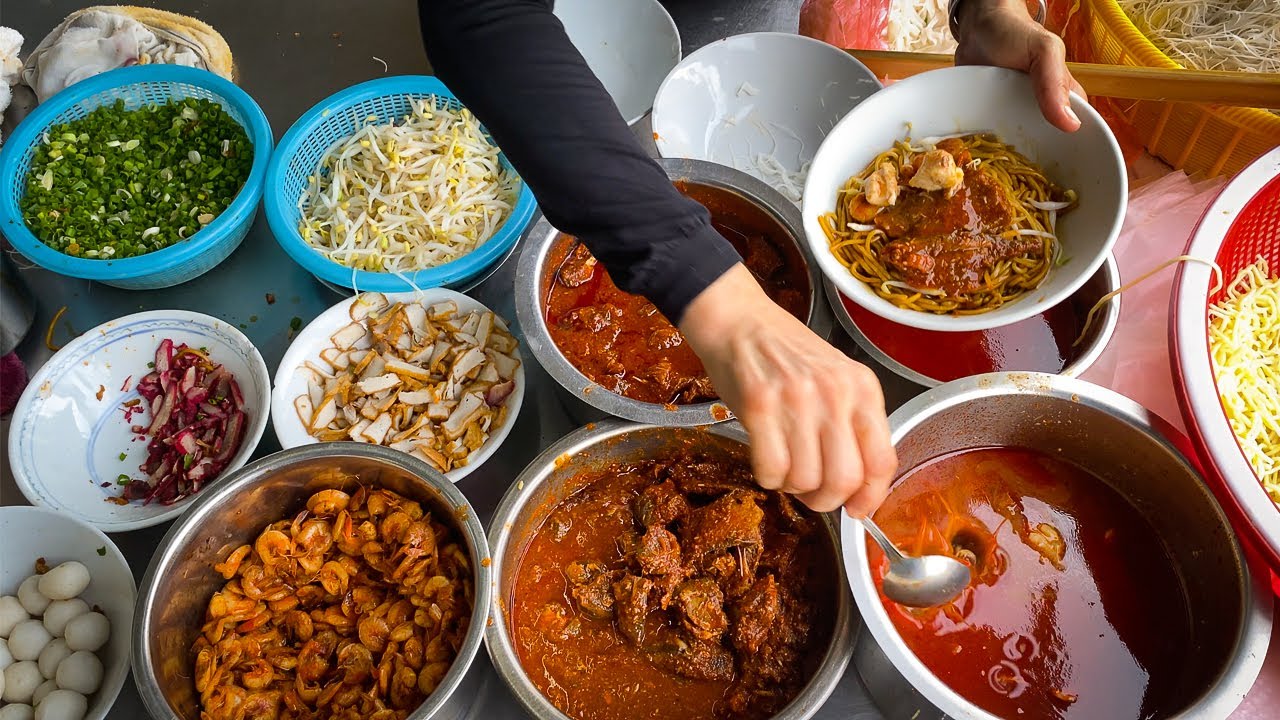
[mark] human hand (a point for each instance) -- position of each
(816, 418)
(1003, 33)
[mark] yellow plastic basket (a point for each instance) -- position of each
(1205, 139)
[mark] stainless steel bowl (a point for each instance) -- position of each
(1124, 445)
(1106, 280)
(530, 301)
(231, 512)
(535, 495)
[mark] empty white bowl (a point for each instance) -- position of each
(69, 428)
(291, 384)
(32, 532)
(766, 93)
(630, 45)
(978, 99)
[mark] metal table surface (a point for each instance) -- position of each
(289, 55)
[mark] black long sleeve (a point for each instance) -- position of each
(511, 63)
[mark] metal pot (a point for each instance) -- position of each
(1124, 445)
(537, 492)
(180, 579)
(530, 298)
(1106, 280)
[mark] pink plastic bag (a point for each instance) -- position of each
(1157, 226)
(848, 24)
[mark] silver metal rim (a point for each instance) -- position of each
(1109, 320)
(1256, 620)
(155, 702)
(538, 337)
(498, 640)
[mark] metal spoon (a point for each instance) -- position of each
(926, 581)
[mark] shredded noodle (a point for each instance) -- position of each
(919, 26)
(1244, 344)
(1241, 35)
(404, 196)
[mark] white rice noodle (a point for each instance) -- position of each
(1240, 35)
(919, 26)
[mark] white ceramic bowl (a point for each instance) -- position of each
(630, 45)
(69, 429)
(764, 93)
(978, 99)
(291, 384)
(57, 538)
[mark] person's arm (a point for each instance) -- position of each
(512, 64)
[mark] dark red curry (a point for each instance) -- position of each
(622, 343)
(1038, 344)
(1075, 610)
(674, 589)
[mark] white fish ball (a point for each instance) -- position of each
(81, 672)
(65, 581)
(11, 613)
(88, 631)
(45, 688)
(61, 612)
(33, 601)
(6, 657)
(52, 656)
(27, 639)
(17, 711)
(20, 681)
(62, 705)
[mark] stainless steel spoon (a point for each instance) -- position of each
(926, 581)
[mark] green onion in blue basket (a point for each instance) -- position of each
(119, 183)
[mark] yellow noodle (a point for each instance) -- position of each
(859, 250)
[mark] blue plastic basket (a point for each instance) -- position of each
(337, 118)
(138, 86)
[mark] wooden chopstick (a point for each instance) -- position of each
(1197, 86)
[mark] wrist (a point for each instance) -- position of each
(961, 13)
(728, 306)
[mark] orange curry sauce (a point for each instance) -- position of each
(1075, 611)
(622, 343)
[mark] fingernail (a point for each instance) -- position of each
(1071, 113)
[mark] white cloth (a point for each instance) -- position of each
(10, 66)
(98, 40)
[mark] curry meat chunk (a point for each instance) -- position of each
(731, 520)
(660, 505)
(590, 585)
(658, 552)
(631, 600)
(701, 605)
(578, 268)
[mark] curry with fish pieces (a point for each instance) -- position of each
(623, 343)
(674, 588)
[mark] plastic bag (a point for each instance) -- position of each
(98, 39)
(857, 24)
(1159, 222)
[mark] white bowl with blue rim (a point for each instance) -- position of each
(69, 441)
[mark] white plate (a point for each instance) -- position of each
(65, 441)
(978, 99)
(629, 44)
(58, 538)
(291, 384)
(764, 93)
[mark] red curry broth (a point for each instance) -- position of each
(1102, 636)
(622, 343)
(584, 662)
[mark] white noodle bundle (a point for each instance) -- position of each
(919, 26)
(1240, 35)
(410, 195)
(1244, 344)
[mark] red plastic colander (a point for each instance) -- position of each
(1241, 225)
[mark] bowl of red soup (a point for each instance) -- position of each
(641, 573)
(615, 351)
(1106, 581)
(1062, 340)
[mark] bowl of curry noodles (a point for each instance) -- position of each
(640, 572)
(947, 202)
